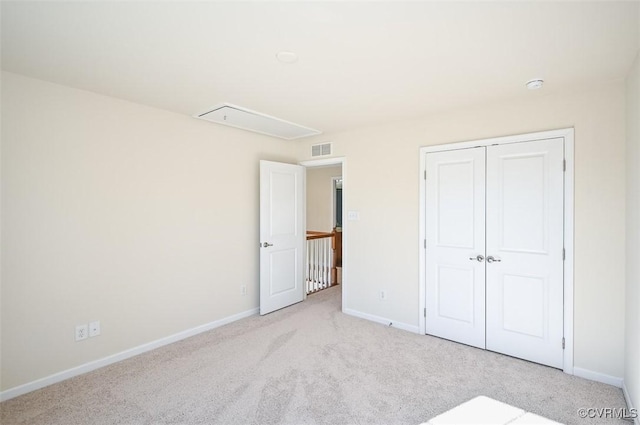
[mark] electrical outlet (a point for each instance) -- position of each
(82, 332)
(94, 328)
(383, 295)
(243, 290)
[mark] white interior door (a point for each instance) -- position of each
(455, 245)
(282, 235)
(525, 186)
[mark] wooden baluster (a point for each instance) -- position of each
(321, 263)
(324, 263)
(327, 254)
(330, 265)
(310, 266)
(307, 270)
(315, 265)
(318, 254)
(334, 271)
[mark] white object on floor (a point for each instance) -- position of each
(485, 410)
(532, 419)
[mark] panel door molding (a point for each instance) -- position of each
(455, 238)
(527, 223)
(525, 237)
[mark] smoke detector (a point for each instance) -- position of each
(287, 57)
(535, 84)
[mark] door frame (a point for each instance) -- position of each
(334, 202)
(568, 135)
(339, 160)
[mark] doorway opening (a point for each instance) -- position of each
(337, 201)
(325, 198)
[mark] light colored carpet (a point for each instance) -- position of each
(307, 364)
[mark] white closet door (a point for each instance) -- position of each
(455, 229)
(525, 236)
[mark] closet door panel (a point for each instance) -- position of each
(524, 267)
(455, 228)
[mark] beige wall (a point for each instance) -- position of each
(320, 197)
(632, 349)
(140, 218)
(383, 253)
(147, 220)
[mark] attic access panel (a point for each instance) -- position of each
(246, 119)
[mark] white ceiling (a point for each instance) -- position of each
(360, 63)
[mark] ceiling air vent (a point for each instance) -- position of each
(247, 119)
(321, 149)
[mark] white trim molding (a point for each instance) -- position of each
(630, 405)
(598, 377)
(568, 135)
(382, 320)
(123, 355)
(335, 160)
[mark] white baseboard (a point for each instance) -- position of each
(598, 377)
(630, 405)
(114, 358)
(382, 320)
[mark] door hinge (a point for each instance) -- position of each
(563, 343)
(564, 254)
(425, 244)
(425, 174)
(564, 165)
(424, 312)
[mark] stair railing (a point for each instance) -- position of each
(320, 266)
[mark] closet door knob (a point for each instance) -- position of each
(491, 259)
(478, 258)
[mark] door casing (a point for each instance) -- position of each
(568, 135)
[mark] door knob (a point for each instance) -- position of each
(478, 258)
(492, 259)
(266, 245)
